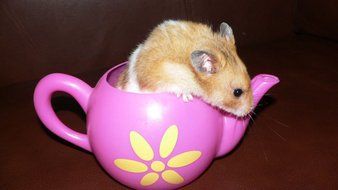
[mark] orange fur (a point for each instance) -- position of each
(164, 64)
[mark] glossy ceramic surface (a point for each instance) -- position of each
(145, 141)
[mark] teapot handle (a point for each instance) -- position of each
(42, 102)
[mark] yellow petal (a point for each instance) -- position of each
(130, 165)
(168, 142)
(172, 177)
(184, 159)
(149, 179)
(141, 147)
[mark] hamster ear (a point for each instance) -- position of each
(226, 31)
(204, 62)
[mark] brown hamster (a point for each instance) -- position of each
(188, 58)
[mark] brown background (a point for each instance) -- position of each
(318, 18)
(40, 37)
(293, 143)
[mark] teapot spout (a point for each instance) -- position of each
(233, 127)
(260, 84)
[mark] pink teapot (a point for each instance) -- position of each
(145, 141)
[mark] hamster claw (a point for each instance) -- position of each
(187, 97)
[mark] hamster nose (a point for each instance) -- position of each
(238, 92)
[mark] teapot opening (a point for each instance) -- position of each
(112, 77)
(114, 74)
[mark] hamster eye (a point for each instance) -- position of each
(238, 92)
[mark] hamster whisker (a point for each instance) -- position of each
(279, 122)
(274, 131)
(251, 118)
(257, 138)
(254, 112)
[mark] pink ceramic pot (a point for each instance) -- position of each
(145, 141)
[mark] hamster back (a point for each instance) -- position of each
(188, 58)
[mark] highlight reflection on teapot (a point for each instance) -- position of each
(146, 141)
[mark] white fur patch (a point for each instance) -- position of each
(171, 22)
(183, 26)
(180, 24)
(132, 85)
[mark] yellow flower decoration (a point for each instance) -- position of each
(145, 152)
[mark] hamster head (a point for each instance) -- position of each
(224, 79)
